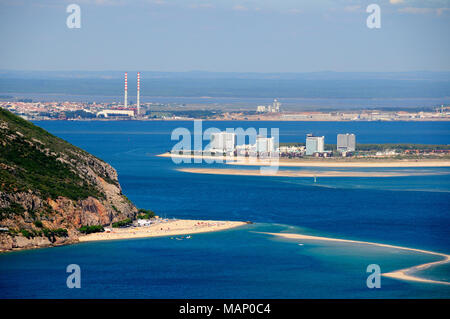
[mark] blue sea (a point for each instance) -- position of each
(410, 211)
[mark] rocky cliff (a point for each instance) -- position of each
(50, 188)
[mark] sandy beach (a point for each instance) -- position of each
(303, 173)
(330, 162)
(175, 227)
(351, 164)
(402, 274)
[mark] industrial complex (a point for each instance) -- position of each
(125, 110)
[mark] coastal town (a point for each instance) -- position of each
(29, 109)
(37, 110)
(227, 144)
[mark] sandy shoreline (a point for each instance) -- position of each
(176, 227)
(285, 173)
(245, 161)
(402, 274)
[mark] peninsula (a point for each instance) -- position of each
(53, 193)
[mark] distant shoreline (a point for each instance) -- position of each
(176, 227)
(234, 120)
(329, 162)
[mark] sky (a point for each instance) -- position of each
(226, 36)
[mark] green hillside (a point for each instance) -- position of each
(31, 160)
(50, 189)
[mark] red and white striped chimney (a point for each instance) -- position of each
(138, 104)
(125, 103)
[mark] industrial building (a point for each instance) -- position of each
(275, 107)
(261, 109)
(116, 113)
(138, 102)
(125, 111)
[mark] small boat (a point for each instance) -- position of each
(188, 237)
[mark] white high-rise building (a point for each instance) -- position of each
(265, 145)
(223, 141)
(346, 142)
(314, 144)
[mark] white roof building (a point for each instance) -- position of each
(144, 222)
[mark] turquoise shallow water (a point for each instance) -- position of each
(243, 263)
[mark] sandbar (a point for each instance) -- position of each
(402, 274)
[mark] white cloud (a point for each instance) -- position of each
(396, 1)
(415, 10)
(352, 8)
(202, 5)
(239, 7)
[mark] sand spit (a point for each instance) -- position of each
(175, 227)
(402, 274)
(302, 173)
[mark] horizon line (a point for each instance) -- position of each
(225, 72)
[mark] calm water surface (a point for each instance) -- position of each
(243, 263)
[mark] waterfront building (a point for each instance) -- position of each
(314, 144)
(288, 151)
(265, 145)
(346, 142)
(144, 222)
(223, 141)
(244, 149)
